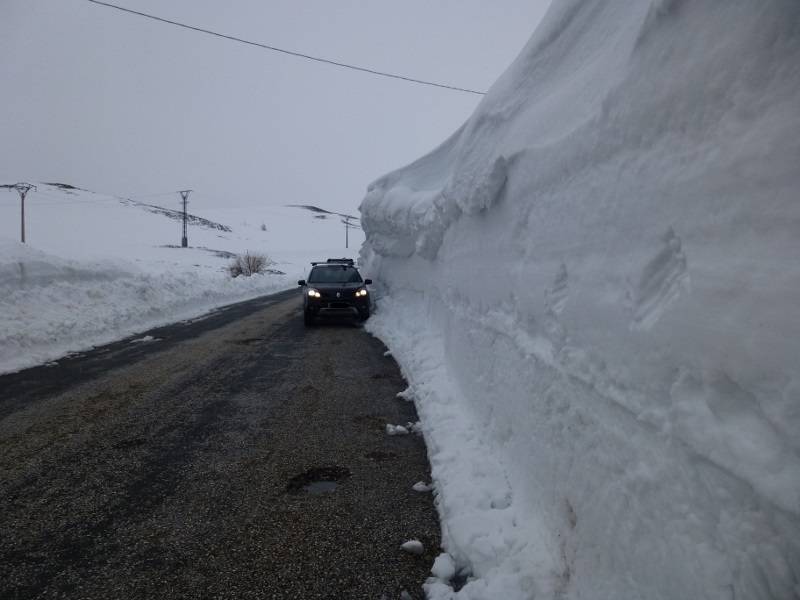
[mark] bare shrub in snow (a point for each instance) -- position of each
(248, 264)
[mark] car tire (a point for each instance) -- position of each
(363, 314)
(308, 319)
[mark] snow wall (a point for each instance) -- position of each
(593, 288)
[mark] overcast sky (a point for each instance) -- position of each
(119, 104)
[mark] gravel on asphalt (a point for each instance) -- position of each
(246, 460)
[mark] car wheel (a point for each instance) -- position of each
(308, 319)
(363, 315)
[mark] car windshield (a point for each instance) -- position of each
(337, 274)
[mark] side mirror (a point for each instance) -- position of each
(301, 282)
(368, 282)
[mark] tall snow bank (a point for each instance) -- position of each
(50, 306)
(594, 290)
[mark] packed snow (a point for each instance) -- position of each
(421, 487)
(145, 340)
(443, 567)
(413, 547)
(396, 429)
(98, 268)
(593, 289)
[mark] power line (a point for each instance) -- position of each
(149, 195)
(289, 52)
(64, 194)
(35, 202)
(109, 198)
(70, 190)
(62, 200)
(65, 199)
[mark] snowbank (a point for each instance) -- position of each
(593, 288)
(51, 306)
(97, 267)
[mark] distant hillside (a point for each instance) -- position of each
(72, 222)
(178, 215)
(321, 212)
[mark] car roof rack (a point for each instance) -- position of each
(334, 261)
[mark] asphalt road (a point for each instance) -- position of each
(238, 456)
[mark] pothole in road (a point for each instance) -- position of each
(320, 480)
(320, 487)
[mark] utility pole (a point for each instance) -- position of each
(347, 226)
(22, 190)
(184, 239)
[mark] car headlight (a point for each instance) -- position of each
(361, 292)
(314, 293)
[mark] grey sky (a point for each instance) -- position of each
(124, 105)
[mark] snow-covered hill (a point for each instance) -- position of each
(97, 268)
(594, 289)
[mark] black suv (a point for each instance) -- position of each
(335, 288)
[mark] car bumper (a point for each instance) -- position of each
(337, 308)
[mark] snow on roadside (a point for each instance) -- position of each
(98, 267)
(475, 496)
(592, 288)
(51, 306)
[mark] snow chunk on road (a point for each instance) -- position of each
(413, 547)
(396, 430)
(407, 394)
(421, 486)
(444, 567)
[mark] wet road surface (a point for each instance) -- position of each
(239, 456)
